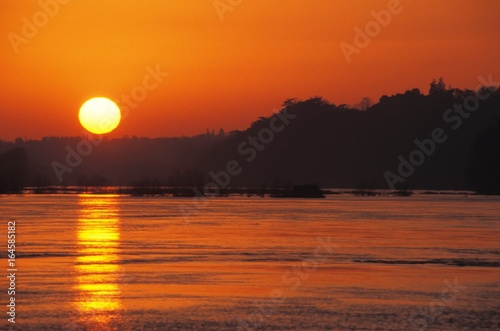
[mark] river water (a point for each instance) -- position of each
(108, 262)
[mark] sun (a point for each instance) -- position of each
(99, 115)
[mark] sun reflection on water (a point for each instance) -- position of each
(97, 267)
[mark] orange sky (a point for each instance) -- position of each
(227, 73)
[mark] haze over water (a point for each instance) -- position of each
(97, 262)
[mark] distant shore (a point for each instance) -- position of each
(257, 192)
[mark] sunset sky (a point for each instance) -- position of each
(226, 73)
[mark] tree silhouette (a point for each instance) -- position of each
(13, 166)
(484, 172)
(364, 104)
(437, 87)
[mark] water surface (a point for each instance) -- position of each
(97, 262)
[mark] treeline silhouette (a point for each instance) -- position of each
(13, 170)
(334, 146)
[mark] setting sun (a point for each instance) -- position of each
(99, 115)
